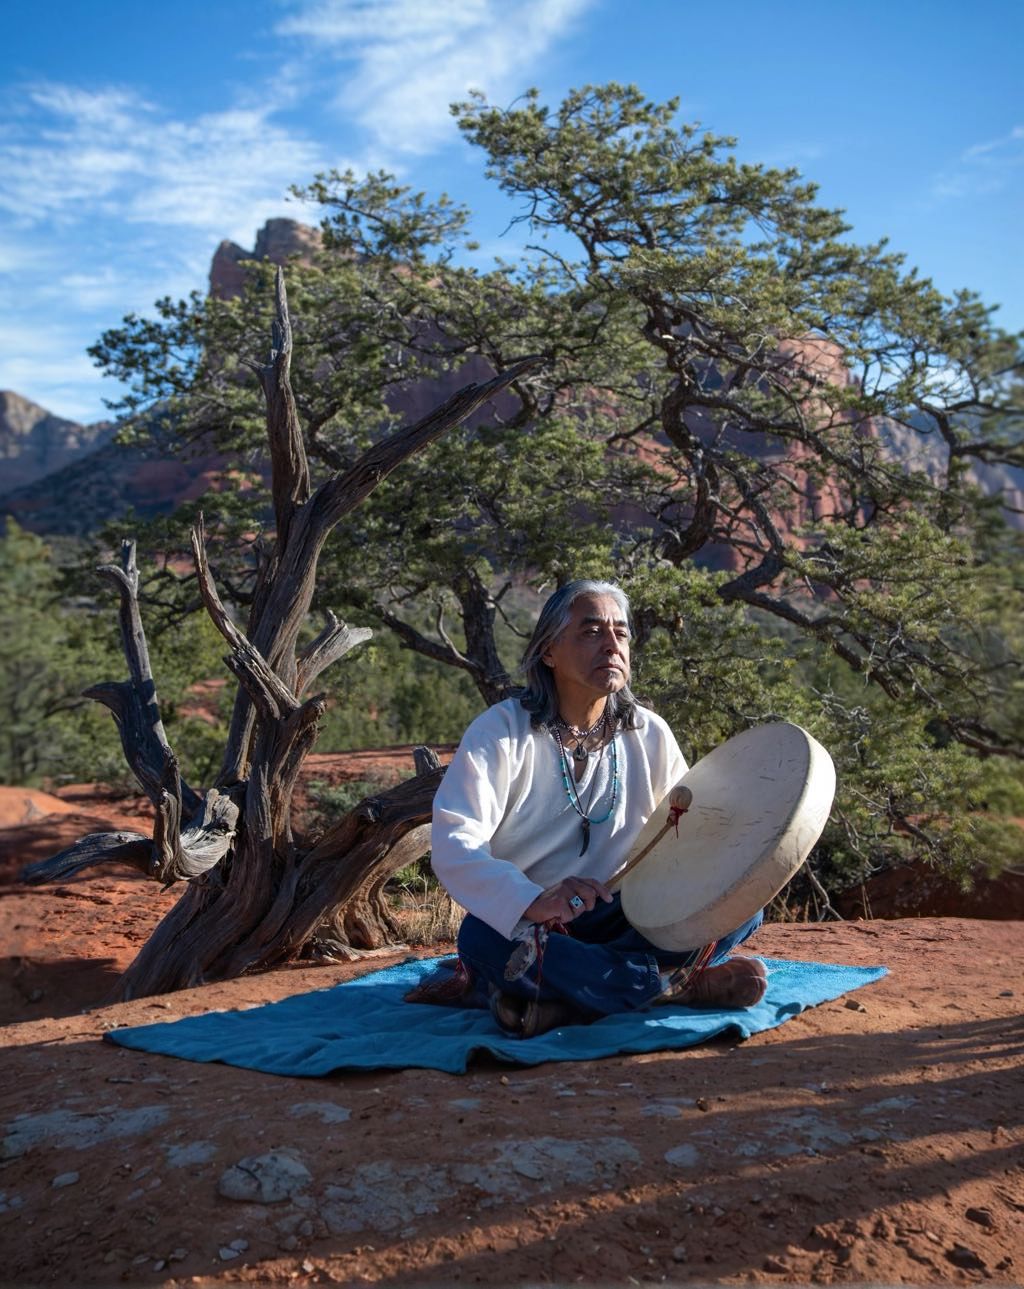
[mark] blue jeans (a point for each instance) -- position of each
(601, 967)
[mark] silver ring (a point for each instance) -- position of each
(575, 902)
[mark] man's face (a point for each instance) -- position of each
(591, 656)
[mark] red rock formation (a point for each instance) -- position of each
(34, 442)
(277, 241)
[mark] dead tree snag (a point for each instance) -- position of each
(253, 897)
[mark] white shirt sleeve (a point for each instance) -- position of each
(469, 806)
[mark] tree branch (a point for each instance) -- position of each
(289, 467)
(129, 848)
(134, 702)
(333, 642)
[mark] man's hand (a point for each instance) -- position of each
(571, 897)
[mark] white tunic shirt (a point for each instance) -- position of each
(504, 828)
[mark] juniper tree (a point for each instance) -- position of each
(254, 893)
(812, 412)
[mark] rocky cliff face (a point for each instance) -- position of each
(277, 241)
(104, 485)
(34, 443)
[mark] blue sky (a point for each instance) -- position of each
(135, 136)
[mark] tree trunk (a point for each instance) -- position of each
(253, 898)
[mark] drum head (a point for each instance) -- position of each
(760, 802)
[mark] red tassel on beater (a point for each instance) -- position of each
(675, 813)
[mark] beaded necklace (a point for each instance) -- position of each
(579, 752)
(574, 796)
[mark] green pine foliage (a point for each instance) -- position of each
(54, 644)
(385, 695)
(45, 728)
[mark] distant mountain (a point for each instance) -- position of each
(34, 443)
(104, 485)
(917, 447)
(278, 240)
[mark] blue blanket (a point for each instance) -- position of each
(364, 1025)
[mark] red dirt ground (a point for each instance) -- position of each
(873, 1140)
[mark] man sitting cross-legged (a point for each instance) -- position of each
(539, 809)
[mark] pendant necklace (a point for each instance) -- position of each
(574, 797)
(580, 753)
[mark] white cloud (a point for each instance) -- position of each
(110, 153)
(107, 109)
(18, 255)
(65, 146)
(100, 289)
(983, 168)
(111, 203)
(1016, 135)
(43, 362)
(409, 60)
(371, 22)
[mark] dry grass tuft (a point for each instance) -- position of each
(429, 917)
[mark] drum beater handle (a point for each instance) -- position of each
(674, 814)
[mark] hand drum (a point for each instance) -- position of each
(760, 801)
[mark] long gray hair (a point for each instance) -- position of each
(539, 696)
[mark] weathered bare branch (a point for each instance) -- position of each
(208, 590)
(129, 848)
(172, 854)
(425, 760)
(341, 862)
(206, 840)
(133, 636)
(290, 469)
(289, 598)
(294, 740)
(167, 825)
(134, 702)
(172, 957)
(271, 697)
(356, 926)
(825, 909)
(413, 639)
(478, 614)
(333, 642)
(286, 582)
(344, 492)
(251, 898)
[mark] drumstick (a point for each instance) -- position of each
(683, 799)
(616, 880)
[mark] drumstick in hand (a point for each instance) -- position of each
(679, 801)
